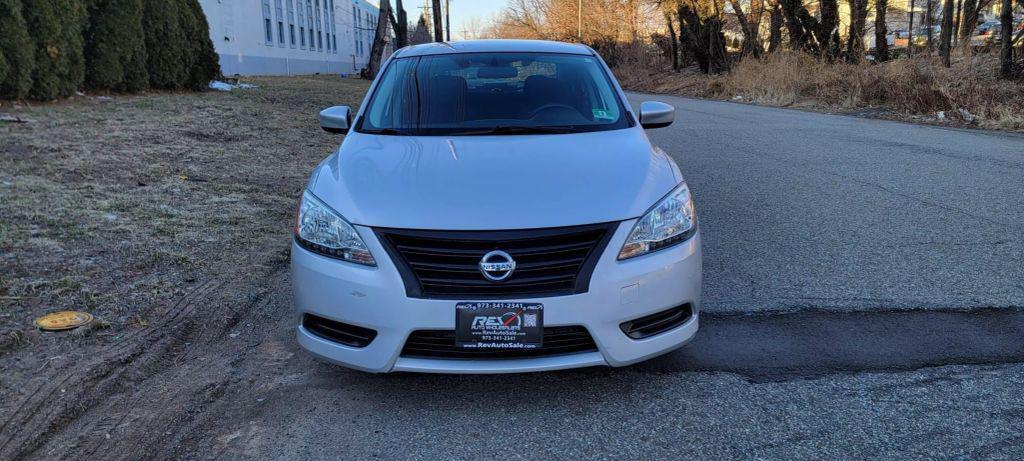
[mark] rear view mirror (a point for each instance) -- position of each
(336, 119)
(497, 72)
(654, 114)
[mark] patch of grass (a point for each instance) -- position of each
(94, 214)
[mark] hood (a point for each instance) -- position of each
(494, 182)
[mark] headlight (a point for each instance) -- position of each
(667, 223)
(321, 230)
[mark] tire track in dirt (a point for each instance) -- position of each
(143, 410)
(32, 422)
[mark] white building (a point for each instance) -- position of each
(291, 37)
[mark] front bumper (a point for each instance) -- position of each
(374, 297)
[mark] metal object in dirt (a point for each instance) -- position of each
(63, 320)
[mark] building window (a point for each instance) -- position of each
(268, 31)
(291, 22)
(302, 24)
(335, 38)
(280, 22)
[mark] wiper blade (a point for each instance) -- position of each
(512, 129)
(387, 131)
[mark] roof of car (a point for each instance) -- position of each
(493, 46)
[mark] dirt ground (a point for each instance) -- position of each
(167, 216)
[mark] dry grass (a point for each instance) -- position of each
(118, 205)
(968, 92)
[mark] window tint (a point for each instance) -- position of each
(472, 93)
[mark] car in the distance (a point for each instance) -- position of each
(496, 206)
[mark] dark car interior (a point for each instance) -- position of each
(502, 93)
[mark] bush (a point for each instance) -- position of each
(50, 48)
(204, 64)
(115, 55)
(56, 30)
(16, 57)
(166, 50)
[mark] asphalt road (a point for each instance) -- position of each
(805, 210)
(864, 293)
(864, 300)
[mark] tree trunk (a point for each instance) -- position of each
(910, 31)
(750, 44)
(672, 40)
(1006, 35)
(800, 38)
(881, 31)
(380, 40)
(447, 21)
(399, 24)
(704, 40)
(946, 34)
(828, 34)
(928, 21)
(968, 19)
(775, 22)
(956, 21)
(436, 10)
(855, 41)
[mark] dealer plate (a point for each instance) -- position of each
(499, 325)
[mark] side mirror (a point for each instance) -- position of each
(655, 114)
(336, 119)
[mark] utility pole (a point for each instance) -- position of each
(579, 21)
(447, 21)
(436, 13)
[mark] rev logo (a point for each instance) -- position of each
(508, 319)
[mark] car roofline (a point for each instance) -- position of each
(494, 46)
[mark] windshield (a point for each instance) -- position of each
(492, 93)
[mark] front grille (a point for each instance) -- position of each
(445, 264)
(441, 344)
(343, 333)
(658, 322)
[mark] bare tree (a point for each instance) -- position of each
(380, 40)
(956, 21)
(946, 33)
(399, 24)
(702, 26)
(775, 22)
(749, 30)
(436, 11)
(1006, 36)
(828, 34)
(809, 33)
(672, 40)
(881, 31)
(855, 39)
(421, 33)
(968, 19)
(929, 21)
(910, 30)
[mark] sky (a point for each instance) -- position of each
(462, 11)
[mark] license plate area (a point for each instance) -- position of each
(499, 325)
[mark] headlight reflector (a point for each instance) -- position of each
(667, 223)
(321, 230)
